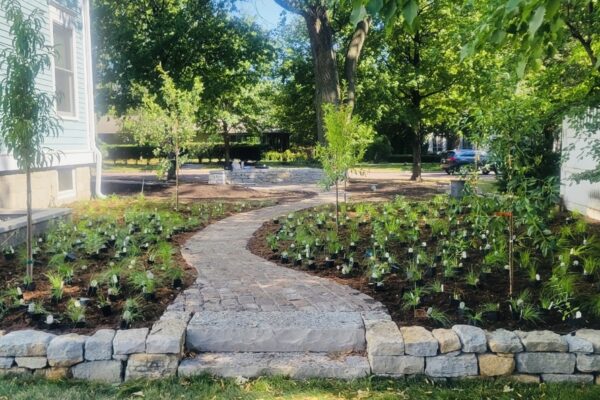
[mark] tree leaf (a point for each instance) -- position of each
(410, 11)
(374, 6)
(511, 6)
(537, 20)
(552, 7)
(358, 13)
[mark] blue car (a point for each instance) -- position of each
(454, 160)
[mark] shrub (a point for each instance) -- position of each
(379, 150)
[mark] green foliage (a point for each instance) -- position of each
(168, 123)
(379, 150)
(347, 140)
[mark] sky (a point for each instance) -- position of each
(265, 12)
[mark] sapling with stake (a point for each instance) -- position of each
(27, 112)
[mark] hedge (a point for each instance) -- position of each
(197, 150)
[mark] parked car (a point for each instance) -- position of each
(454, 160)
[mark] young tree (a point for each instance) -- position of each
(167, 122)
(347, 140)
(27, 113)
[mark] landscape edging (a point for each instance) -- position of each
(529, 357)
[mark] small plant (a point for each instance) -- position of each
(472, 278)
(131, 312)
(75, 312)
(412, 299)
(439, 317)
(57, 286)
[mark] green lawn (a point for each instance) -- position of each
(279, 388)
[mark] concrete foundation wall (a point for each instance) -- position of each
(44, 187)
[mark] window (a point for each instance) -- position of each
(66, 182)
(64, 71)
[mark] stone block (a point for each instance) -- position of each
(418, 341)
(503, 341)
(546, 363)
(568, 378)
(396, 365)
(99, 346)
(225, 331)
(130, 341)
(54, 373)
(578, 345)
(167, 337)
(592, 336)
(384, 339)
(525, 378)
(66, 350)
(151, 366)
(493, 365)
(447, 339)
(98, 371)
(542, 341)
(6, 362)
(184, 316)
(588, 363)
(472, 338)
(294, 365)
(15, 371)
(27, 343)
(451, 367)
(31, 362)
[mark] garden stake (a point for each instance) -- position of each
(509, 215)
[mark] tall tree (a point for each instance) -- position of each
(27, 113)
(424, 72)
(325, 23)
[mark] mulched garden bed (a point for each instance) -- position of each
(137, 269)
(484, 302)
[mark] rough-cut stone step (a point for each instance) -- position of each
(226, 331)
(294, 365)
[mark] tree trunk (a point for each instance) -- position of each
(352, 56)
(29, 267)
(327, 87)
(226, 144)
(417, 148)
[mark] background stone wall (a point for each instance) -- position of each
(270, 176)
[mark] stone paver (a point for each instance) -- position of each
(231, 278)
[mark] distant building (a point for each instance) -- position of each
(67, 28)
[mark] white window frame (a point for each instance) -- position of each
(70, 193)
(62, 19)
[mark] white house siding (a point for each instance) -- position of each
(584, 196)
(75, 143)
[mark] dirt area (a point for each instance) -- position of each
(367, 190)
(491, 289)
(198, 191)
(17, 316)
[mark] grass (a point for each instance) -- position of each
(280, 388)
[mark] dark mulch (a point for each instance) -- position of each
(491, 289)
